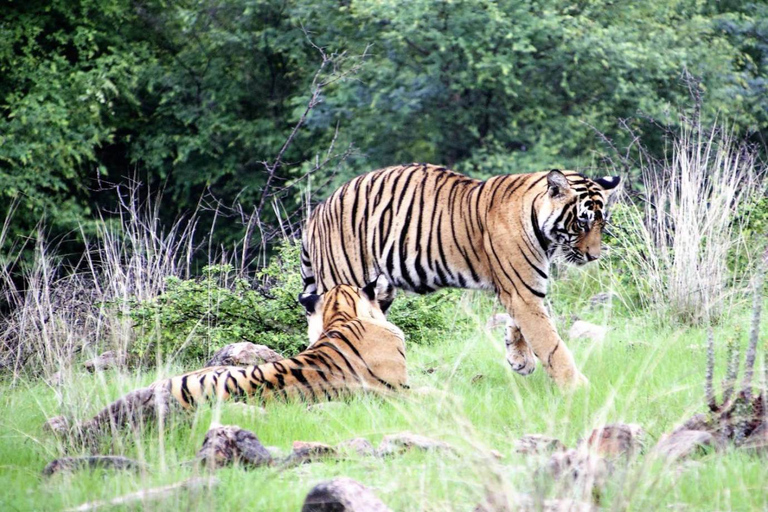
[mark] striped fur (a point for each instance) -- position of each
(357, 350)
(426, 227)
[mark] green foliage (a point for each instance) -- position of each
(425, 319)
(195, 96)
(195, 317)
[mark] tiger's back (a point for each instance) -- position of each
(399, 222)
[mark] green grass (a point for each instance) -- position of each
(644, 372)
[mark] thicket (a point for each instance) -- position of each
(193, 97)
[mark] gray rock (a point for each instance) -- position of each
(225, 445)
(602, 299)
(359, 445)
(682, 444)
(582, 469)
(71, 464)
(615, 439)
(535, 444)
(405, 441)
(308, 451)
(342, 495)
(107, 360)
(58, 425)
(587, 330)
(243, 354)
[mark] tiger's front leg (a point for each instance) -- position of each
(540, 333)
(519, 354)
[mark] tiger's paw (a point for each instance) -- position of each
(522, 363)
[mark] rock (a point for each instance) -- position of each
(697, 422)
(243, 354)
(582, 329)
(58, 425)
(248, 409)
(757, 442)
(405, 441)
(326, 406)
(359, 445)
(225, 445)
(71, 464)
(56, 380)
(107, 360)
(615, 439)
(534, 444)
(304, 451)
(682, 444)
(342, 495)
(602, 299)
(583, 468)
(497, 320)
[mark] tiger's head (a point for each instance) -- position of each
(344, 303)
(573, 213)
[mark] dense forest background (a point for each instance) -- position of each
(198, 98)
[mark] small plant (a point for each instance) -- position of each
(195, 317)
(424, 318)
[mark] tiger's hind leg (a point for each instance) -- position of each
(519, 353)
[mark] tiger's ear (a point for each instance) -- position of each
(381, 291)
(557, 183)
(309, 301)
(610, 184)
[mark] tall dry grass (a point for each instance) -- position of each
(694, 206)
(59, 311)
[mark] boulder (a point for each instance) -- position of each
(58, 425)
(587, 330)
(602, 299)
(243, 354)
(359, 445)
(71, 464)
(582, 469)
(405, 441)
(535, 444)
(682, 444)
(615, 439)
(308, 451)
(107, 360)
(225, 445)
(342, 495)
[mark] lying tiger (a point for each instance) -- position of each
(355, 349)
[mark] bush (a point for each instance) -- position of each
(424, 318)
(195, 317)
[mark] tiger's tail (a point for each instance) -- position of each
(307, 272)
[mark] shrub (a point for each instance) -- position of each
(424, 318)
(195, 317)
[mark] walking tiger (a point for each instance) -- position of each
(425, 227)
